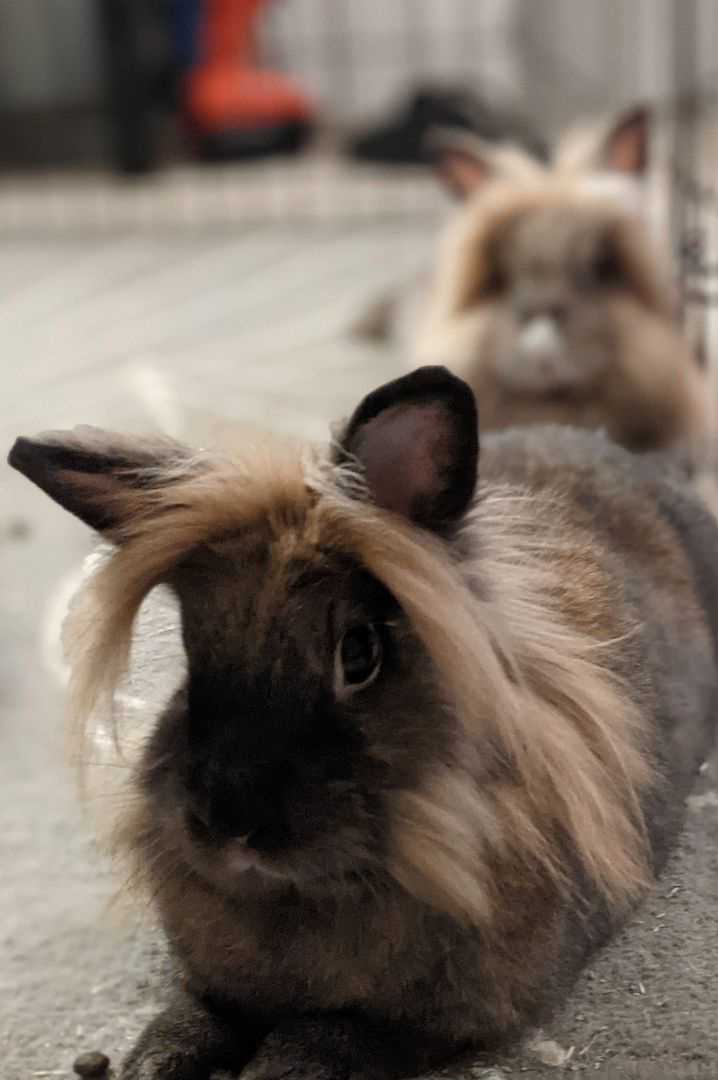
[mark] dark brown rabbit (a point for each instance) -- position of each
(434, 738)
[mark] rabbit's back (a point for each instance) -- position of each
(657, 542)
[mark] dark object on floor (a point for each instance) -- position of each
(137, 73)
(260, 140)
(18, 529)
(91, 1064)
(402, 139)
(234, 108)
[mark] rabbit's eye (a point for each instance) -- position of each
(606, 269)
(358, 658)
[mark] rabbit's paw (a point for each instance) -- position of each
(163, 1063)
(326, 1048)
(187, 1042)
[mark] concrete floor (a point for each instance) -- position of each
(149, 329)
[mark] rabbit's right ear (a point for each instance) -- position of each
(101, 478)
(626, 146)
(416, 440)
(621, 145)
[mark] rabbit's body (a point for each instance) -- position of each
(403, 793)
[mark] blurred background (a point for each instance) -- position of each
(143, 143)
(197, 197)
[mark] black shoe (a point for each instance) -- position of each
(253, 143)
(402, 139)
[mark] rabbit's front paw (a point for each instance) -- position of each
(327, 1048)
(302, 1066)
(162, 1063)
(187, 1042)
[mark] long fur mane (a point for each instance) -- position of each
(550, 764)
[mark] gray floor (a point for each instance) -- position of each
(172, 330)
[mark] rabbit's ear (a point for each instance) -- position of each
(465, 163)
(626, 146)
(417, 442)
(461, 172)
(462, 161)
(97, 476)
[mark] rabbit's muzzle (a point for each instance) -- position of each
(240, 806)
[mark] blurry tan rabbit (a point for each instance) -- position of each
(433, 739)
(551, 298)
(613, 155)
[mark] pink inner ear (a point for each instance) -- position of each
(462, 172)
(402, 454)
(626, 149)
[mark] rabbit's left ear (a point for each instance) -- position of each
(465, 163)
(463, 169)
(626, 146)
(100, 477)
(417, 442)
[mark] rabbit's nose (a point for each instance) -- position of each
(246, 810)
(214, 813)
(540, 339)
(206, 818)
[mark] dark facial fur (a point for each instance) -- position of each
(429, 748)
(273, 766)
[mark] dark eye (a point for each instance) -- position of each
(358, 658)
(606, 269)
(494, 280)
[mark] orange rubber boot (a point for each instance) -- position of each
(236, 109)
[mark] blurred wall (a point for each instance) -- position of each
(352, 54)
(358, 55)
(579, 54)
(48, 55)
(554, 57)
